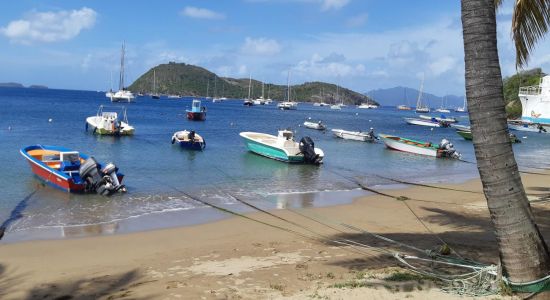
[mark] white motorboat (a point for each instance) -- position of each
(283, 147)
(287, 105)
(122, 95)
(444, 149)
(443, 110)
(354, 135)
(336, 106)
(428, 123)
(439, 119)
(367, 106)
(518, 125)
(108, 123)
(315, 125)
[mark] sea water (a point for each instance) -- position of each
(163, 179)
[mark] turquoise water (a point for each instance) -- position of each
(159, 173)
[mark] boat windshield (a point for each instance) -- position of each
(196, 104)
(109, 115)
(70, 157)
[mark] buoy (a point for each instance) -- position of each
(370, 120)
(50, 120)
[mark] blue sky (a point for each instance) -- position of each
(360, 44)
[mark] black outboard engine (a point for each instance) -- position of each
(307, 147)
(102, 181)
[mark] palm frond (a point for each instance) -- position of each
(498, 3)
(530, 23)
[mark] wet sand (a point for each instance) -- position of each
(236, 258)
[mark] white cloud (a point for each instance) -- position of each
(358, 20)
(49, 26)
(333, 4)
(260, 46)
(326, 67)
(201, 13)
(442, 65)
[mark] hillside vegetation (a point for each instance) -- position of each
(189, 80)
(511, 89)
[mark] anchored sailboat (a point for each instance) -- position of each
(122, 95)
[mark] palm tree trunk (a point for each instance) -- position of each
(523, 252)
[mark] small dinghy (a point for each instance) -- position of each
(73, 171)
(189, 140)
(315, 125)
(444, 149)
(355, 135)
(428, 123)
(283, 147)
(108, 123)
(441, 118)
(197, 112)
(467, 135)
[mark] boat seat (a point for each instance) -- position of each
(69, 166)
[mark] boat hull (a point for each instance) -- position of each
(91, 124)
(196, 116)
(421, 122)
(401, 145)
(181, 138)
(352, 135)
(267, 145)
(313, 125)
(54, 177)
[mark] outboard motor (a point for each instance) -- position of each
(102, 181)
(448, 149)
(307, 147)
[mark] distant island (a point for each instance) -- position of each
(189, 80)
(19, 85)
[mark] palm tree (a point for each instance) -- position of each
(523, 251)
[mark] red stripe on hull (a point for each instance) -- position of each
(196, 116)
(52, 178)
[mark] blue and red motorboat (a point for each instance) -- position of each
(73, 171)
(197, 112)
(189, 140)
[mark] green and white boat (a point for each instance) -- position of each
(108, 123)
(467, 135)
(283, 147)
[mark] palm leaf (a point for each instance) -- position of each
(530, 23)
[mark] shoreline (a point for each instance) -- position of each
(183, 217)
(237, 258)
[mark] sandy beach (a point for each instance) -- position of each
(237, 258)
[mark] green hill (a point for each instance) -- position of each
(511, 89)
(183, 79)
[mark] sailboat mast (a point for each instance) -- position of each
(121, 78)
(249, 85)
(263, 90)
(418, 102)
(288, 86)
(207, 87)
(154, 82)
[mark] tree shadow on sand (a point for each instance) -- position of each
(470, 235)
(109, 286)
(8, 281)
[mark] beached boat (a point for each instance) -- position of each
(315, 125)
(442, 118)
(283, 147)
(72, 171)
(355, 135)
(189, 140)
(467, 135)
(428, 123)
(197, 112)
(108, 123)
(122, 95)
(444, 149)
